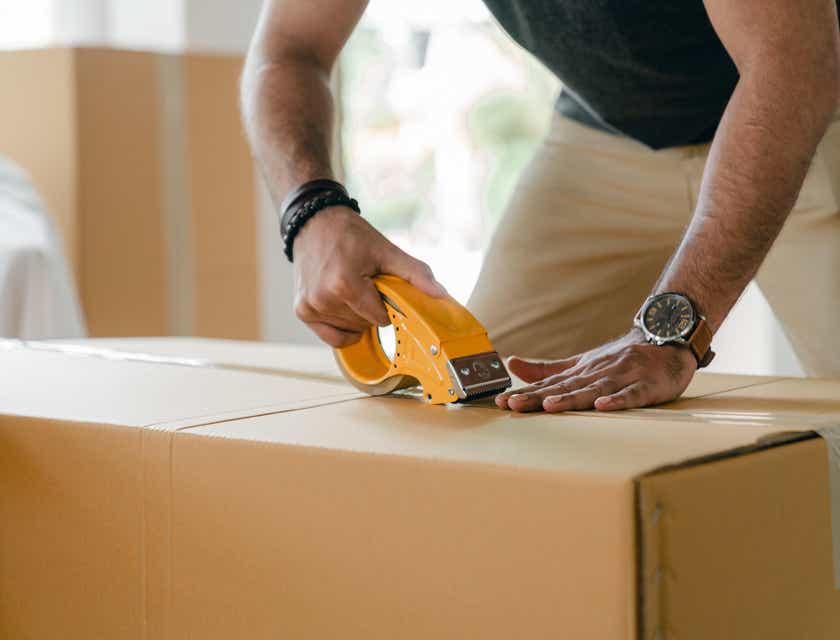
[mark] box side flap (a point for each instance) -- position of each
(740, 548)
(398, 548)
(71, 535)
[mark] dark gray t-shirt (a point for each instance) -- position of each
(653, 70)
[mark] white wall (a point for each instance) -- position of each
(26, 24)
(752, 341)
(159, 25)
(148, 24)
(79, 21)
(220, 25)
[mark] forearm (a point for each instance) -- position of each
(754, 171)
(287, 109)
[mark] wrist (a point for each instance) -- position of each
(328, 219)
(672, 319)
(297, 196)
(301, 213)
(636, 335)
(708, 305)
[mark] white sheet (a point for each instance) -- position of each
(37, 296)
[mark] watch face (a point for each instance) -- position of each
(668, 316)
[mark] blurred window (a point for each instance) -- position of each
(441, 111)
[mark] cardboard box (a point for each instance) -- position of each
(202, 489)
(142, 160)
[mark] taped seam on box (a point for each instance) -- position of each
(184, 424)
(831, 435)
(156, 534)
(651, 574)
(144, 561)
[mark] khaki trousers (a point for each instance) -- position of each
(595, 217)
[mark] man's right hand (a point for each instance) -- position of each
(337, 253)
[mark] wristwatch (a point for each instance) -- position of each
(671, 318)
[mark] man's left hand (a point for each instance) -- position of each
(625, 373)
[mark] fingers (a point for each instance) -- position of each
(533, 370)
(334, 337)
(333, 269)
(625, 376)
(629, 397)
(351, 297)
(503, 399)
(663, 375)
(568, 378)
(326, 310)
(365, 301)
(399, 263)
(348, 303)
(532, 397)
(582, 398)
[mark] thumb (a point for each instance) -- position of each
(397, 262)
(534, 370)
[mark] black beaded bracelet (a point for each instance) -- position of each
(295, 196)
(303, 213)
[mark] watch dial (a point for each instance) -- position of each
(669, 316)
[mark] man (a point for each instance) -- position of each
(681, 142)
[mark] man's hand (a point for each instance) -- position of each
(288, 110)
(337, 253)
(622, 374)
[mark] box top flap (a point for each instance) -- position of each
(290, 395)
(774, 399)
(305, 360)
(260, 357)
(83, 388)
(583, 443)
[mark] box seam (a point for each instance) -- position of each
(651, 573)
(758, 446)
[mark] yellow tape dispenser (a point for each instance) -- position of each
(439, 345)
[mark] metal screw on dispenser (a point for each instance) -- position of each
(465, 371)
(433, 350)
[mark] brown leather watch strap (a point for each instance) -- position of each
(700, 342)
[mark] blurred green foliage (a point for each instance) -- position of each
(504, 126)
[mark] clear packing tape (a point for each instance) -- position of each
(791, 426)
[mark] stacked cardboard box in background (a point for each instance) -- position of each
(180, 488)
(142, 160)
